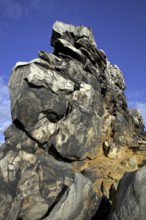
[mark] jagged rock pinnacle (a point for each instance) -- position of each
(72, 135)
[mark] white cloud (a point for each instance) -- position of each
(5, 116)
(4, 125)
(14, 9)
(11, 9)
(4, 94)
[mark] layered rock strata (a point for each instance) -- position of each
(72, 135)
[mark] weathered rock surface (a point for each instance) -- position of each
(35, 186)
(130, 200)
(76, 199)
(72, 135)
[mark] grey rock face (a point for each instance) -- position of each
(36, 185)
(138, 120)
(72, 204)
(66, 108)
(130, 200)
(68, 32)
(61, 99)
(57, 108)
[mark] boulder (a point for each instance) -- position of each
(77, 202)
(130, 200)
(36, 186)
(71, 134)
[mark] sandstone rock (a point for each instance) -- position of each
(138, 120)
(131, 197)
(31, 185)
(65, 49)
(142, 142)
(76, 203)
(60, 28)
(142, 147)
(55, 103)
(130, 162)
(71, 129)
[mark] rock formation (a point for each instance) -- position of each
(72, 137)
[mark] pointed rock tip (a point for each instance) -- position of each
(60, 28)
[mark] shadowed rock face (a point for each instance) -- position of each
(67, 108)
(131, 197)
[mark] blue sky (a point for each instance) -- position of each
(119, 27)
